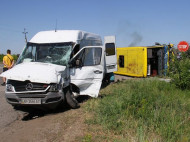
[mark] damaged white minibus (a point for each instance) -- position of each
(58, 66)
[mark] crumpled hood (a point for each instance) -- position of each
(35, 72)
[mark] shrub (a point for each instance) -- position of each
(15, 57)
(1, 57)
(180, 71)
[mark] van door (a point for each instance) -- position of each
(110, 54)
(86, 70)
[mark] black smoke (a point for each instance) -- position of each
(137, 38)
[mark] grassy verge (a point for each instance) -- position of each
(139, 110)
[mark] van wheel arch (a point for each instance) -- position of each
(74, 88)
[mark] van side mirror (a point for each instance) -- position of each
(78, 63)
(75, 63)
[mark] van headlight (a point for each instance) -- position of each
(54, 88)
(9, 88)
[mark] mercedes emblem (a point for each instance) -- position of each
(29, 86)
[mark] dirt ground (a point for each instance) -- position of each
(61, 126)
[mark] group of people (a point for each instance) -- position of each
(8, 62)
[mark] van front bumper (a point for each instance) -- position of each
(50, 99)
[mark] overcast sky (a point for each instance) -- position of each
(133, 22)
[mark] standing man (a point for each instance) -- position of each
(8, 62)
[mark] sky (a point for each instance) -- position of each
(133, 22)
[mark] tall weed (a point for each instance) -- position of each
(150, 110)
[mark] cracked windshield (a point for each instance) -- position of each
(46, 53)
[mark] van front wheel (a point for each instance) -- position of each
(72, 102)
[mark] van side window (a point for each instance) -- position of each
(92, 56)
(89, 56)
(121, 61)
(110, 49)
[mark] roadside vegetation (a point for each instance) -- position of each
(180, 70)
(1, 57)
(141, 110)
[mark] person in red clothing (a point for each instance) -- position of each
(8, 62)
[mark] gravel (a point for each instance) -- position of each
(7, 113)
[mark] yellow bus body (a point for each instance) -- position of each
(135, 61)
(143, 61)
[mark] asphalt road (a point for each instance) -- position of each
(7, 113)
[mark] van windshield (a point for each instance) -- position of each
(58, 53)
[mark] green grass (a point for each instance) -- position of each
(1, 57)
(140, 110)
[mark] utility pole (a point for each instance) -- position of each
(25, 34)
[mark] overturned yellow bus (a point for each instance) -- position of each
(143, 61)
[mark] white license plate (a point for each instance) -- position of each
(30, 101)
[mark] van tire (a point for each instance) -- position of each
(71, 101)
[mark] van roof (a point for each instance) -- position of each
(60, 36)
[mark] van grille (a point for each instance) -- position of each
(27, 86)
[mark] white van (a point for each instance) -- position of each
(60, 65)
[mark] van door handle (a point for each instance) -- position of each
(97, 72)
